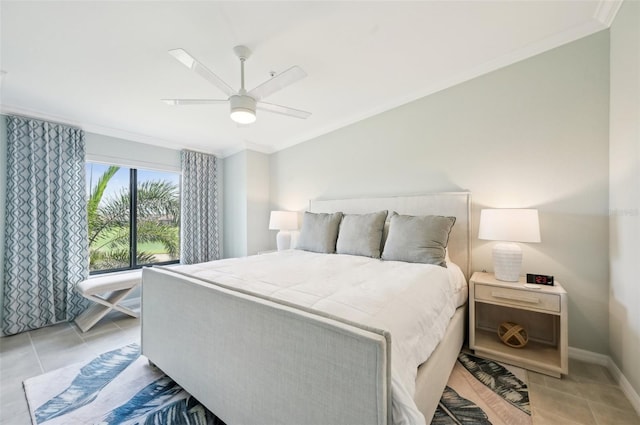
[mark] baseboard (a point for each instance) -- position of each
(625, 385)
(616, 373)
(589, 356)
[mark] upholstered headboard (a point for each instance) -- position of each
(456, 204)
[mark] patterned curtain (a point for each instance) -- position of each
(46, 243)
(199, 212)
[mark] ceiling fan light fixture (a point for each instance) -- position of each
(243, 116)
(243, 109)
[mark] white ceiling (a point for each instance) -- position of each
(104, 65)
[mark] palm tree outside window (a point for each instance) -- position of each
(119, 240)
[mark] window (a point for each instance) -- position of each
(119, 240)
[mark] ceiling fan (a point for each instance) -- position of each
(243, 103)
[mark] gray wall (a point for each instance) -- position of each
(534, 134)
(624, 145)
(246, 204)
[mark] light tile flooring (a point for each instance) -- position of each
(588, 395)
(33, 353)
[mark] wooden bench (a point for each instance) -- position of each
(107, 291)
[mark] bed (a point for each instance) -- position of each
(279, 355)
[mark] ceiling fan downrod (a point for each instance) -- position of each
(243, 54)
(243, 106)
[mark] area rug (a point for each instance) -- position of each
(483, 392)
(120, 387)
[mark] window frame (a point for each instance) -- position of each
(133, 224)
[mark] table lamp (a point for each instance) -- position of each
(508, 225)
(284, 221)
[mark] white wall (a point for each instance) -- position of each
(624, 192)
(258, 203)
(235, 205)
(126, 153)
(246, 204)
(534, 134)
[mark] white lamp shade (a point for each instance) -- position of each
(283, 220)
(509, 225)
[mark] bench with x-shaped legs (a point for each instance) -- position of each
(107, 292)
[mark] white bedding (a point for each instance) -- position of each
(414, 302)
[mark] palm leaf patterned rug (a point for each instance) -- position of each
(483, 392)
(119, 387)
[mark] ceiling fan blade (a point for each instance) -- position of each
(280, 81)
(180, 102)
(190, 62)
(278, 109)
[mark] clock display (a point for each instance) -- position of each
(540, 279)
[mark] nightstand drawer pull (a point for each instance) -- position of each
(502, 295)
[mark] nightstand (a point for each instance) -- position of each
(541, 312)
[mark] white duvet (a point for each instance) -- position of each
(414, 302)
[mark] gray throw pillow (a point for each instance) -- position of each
(418, 239)
(319, 232)
(360, 234)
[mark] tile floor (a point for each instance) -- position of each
(33, 353)
(587, 396)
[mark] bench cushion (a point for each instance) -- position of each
(107, 283)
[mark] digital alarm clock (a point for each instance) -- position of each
(540, 279)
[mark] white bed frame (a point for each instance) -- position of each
(254, 360)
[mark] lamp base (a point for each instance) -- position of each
(507, 261)
(283, 240)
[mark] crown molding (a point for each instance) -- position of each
(99, 129)
(258, 147)
(606, 11)
(32, 113)
(247, 146)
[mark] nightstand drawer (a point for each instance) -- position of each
(517, 297)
